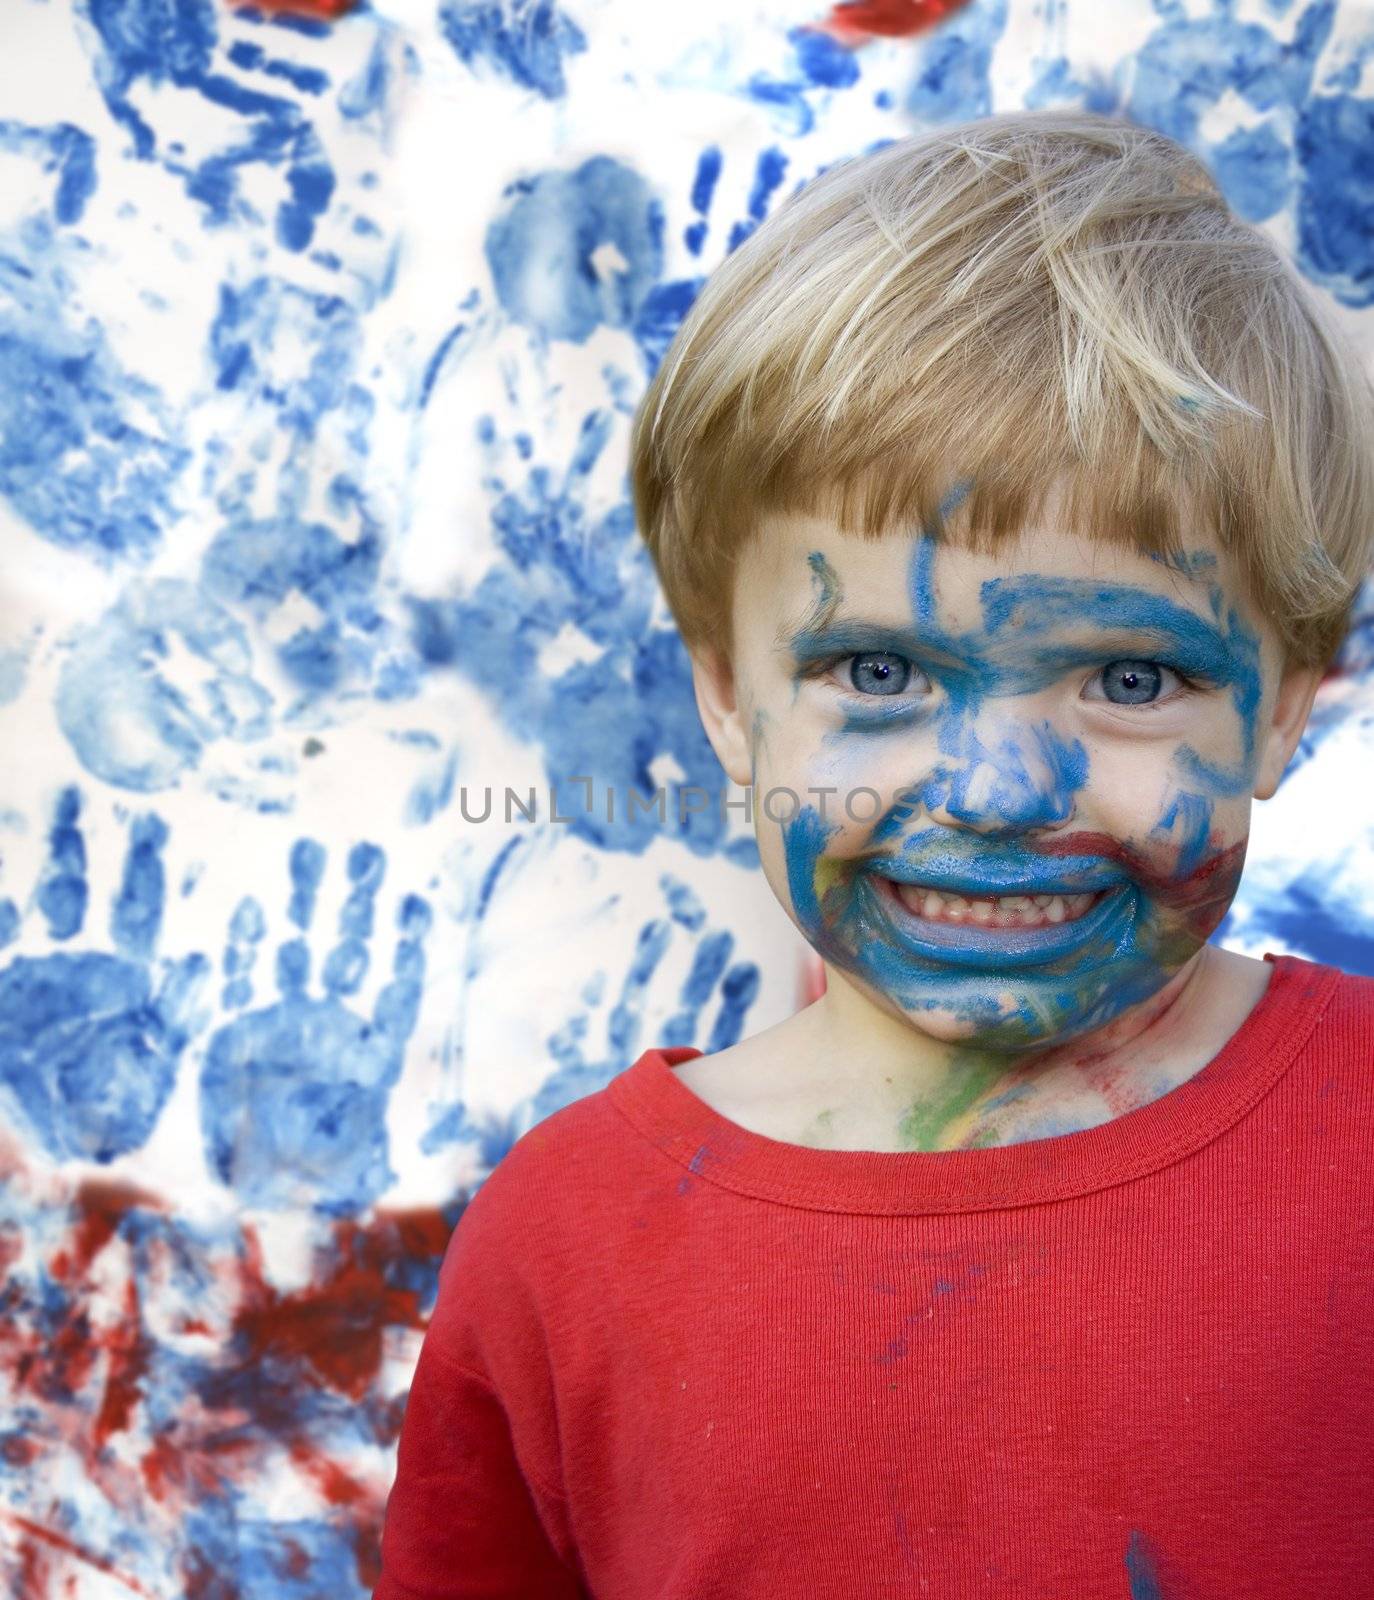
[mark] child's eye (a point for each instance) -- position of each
(883, 673)
(1133, 683)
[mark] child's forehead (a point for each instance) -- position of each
(899, 570)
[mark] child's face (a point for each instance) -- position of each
(1061, 720)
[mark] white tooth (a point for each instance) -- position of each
(1041, 900)
(1016, 902)
(981, 910)
(933, 904)
(956, 902)
(1055, 909)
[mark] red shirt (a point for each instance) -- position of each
(673, 1359)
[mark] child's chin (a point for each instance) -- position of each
(1011, 1031)
(1012, 1018)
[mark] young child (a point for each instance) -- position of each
(1010, 495)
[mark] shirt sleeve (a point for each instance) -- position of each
(477, 1507)
(460, 1519)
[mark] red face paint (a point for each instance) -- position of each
(855, 20)
(320, 10)
(1201, 895)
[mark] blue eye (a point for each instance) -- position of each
(880, 672)
(1132, 683)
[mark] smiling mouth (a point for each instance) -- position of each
(989, 911)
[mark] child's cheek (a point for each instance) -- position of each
(847, 777)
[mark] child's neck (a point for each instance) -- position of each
(845, 1074)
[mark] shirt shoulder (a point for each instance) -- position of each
(556, 1170)
(1334, 1012)
(522, 1240)
(1346, 1023)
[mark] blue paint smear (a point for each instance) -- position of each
(707, 176)
(703, 190)
(738, 991)
(309, 80)
(436, 361)
(1251, 165)
(64, 150)
(256, 565)
(14, 667)
(293, 1095)
(608, 718)
(74, 465)
(708, 965)
(120, 706)
(821, 63)
(1140, 1568)
(577, 1075)
(229, 1551)
(1056, 83)
(1311, 918)
(254, 318)
(1189, 63)
(953, 71)
(786, 98)
(61, 893)
(660, 316)
(310, 180)
(769, 171)
(1335, 209)
(89, 1041)
(626, 1023)
(367, 92)
(826, 62)
(541, 249)
(526, 40)
(161, 41)
(684, 904)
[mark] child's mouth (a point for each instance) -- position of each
(990, 911)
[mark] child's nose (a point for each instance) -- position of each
(1007, 776)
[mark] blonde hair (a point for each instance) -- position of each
(1032, 300)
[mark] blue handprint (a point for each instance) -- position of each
(293, 1096)
(88, 1047)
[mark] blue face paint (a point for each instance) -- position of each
(1002, 796)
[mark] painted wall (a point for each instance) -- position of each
(319, 343)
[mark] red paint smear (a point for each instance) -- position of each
(1197, 895)
(369, 1276)
(19, 1452)
(11, 1247)
(336, 1325)
(339, 1487)
(128, 1348)
(853, 21)
(99, 1206)
(320, 10)
(59, 1541)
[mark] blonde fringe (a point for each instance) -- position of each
(1032, 301)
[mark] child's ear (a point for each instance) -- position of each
(1292, 707)
(721, 715)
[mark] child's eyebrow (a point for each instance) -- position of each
(1032, 607)
(1051, 623)
(808, 643)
